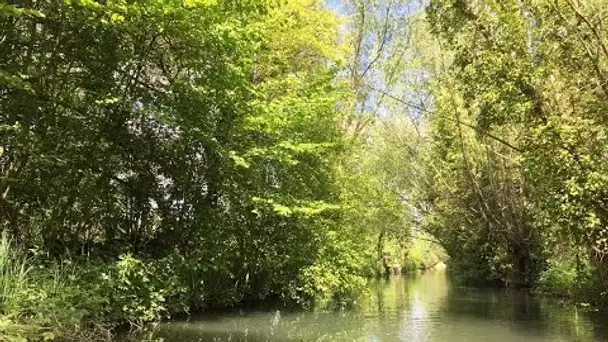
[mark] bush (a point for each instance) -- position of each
(42, 302)
(79, 301)
(559, 278)
(87, 300)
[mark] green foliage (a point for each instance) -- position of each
(14, 271)
(560, 278)
(519, 143)
(424, 252)
(137, 296)
(164, 157)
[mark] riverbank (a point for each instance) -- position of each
(86, 302)
(415, 308)
(90, 301)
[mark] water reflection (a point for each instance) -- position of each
(423, 308)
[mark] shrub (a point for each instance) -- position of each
(559, 278)
(136, 294)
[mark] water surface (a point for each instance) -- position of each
(414, 309)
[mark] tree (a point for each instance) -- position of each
(531, 73)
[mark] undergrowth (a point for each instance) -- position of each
(88, 300)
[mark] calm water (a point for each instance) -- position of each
(416, 308)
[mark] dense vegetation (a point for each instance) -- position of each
(163, 157)
(519, 130)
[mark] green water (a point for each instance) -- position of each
(414, 308)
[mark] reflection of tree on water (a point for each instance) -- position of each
(406, 307)
(525, 313)
(427, 296)
(413, 328)
(423, 308)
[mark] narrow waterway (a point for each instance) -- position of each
(414, 309)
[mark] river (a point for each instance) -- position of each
(415, 308)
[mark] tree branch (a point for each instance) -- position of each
(424, 110)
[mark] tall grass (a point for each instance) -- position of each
(41, 303)
(14, 282)
(14, 271)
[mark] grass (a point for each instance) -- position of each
(14, 272)
(14, 278)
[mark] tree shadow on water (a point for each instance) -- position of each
(526, 313)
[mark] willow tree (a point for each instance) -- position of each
(528, 81)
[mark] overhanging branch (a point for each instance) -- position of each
(424, 110)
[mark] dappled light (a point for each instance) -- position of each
(295, 170)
